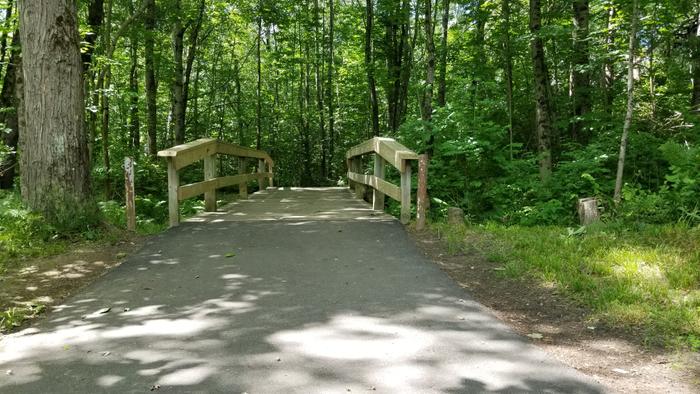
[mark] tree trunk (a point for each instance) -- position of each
(329, 87)
(543, 112)
(397, 29)
(442, 75)
(177, 88)
(134, 123)
(581, 81)
(318, 61)
(258, 88)
(54, 152)
(694, 38)
(104, 104)
(427, 101)
(151, 87)
(189, 62)
(630, 104)
(369, 66)
(609, 65)
(508, 69)
(9, 117)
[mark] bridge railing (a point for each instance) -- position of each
(207, 149)
(384, 150)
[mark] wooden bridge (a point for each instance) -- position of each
(279, 203)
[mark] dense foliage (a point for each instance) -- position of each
(291, 77)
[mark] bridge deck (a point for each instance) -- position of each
(330, 299)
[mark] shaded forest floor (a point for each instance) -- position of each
(617, 358)
(29, 286)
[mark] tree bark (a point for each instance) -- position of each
(189, 62)
(609, 65)
(134, 122)
(106, 77)
(369, 66)
(581, 80)
(427, 101)
(178, 83)
(694, 38)
(508, 68)
(329, 87)
(396, 23)
(54, 150)
(9, 115)
(151, 87)
(543, 112)
(630, 104)
(442, 75)
(258, 87)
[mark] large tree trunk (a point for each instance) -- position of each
(581, 80)
(543, 111)
(442, 75)
(369, 66)
(397, 28)
(177, 88)
(151, 87)
(630, 104)
(427, 101)
(189, 62)
(8, 117)
(508, 68)
(54, 150)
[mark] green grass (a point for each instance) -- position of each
(645, 279)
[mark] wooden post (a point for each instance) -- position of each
(588, 212)
(272, 184)
(351, 168)
(130, 198)
(377, 196)
(359, 188)
(406, 192)
(262, 181)
(243, 186)
(210, 173)
(173, 185)
(422, 195)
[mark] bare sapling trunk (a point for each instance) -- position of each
(630, 105)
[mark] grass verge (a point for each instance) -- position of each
(644, 279)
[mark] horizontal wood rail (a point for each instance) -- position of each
(385, 150)
(207, 149)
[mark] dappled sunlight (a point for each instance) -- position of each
(295, 306)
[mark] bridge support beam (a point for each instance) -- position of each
(406, 192)
(377, 196)
(243, 186)
(173, 185)
(210, 173)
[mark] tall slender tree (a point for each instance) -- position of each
(543, 108)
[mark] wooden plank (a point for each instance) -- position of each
(241, 151)
(422, 195)
(196, 189)
(269, 167)
(243, 185)
(176, 150)
(210, 173)
(262, 181)
(129, 192)
(406, 193)
(377, 195)
(393, 152)
(186, 154)
(173, 186)
(383, 186)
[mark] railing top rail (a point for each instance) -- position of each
(186, 154)
(390, 150)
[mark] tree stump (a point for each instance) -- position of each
(588, 212)
(455, 215)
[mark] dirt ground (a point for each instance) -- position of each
(615, 358)
(47, 281)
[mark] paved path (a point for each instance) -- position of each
(323, 295)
